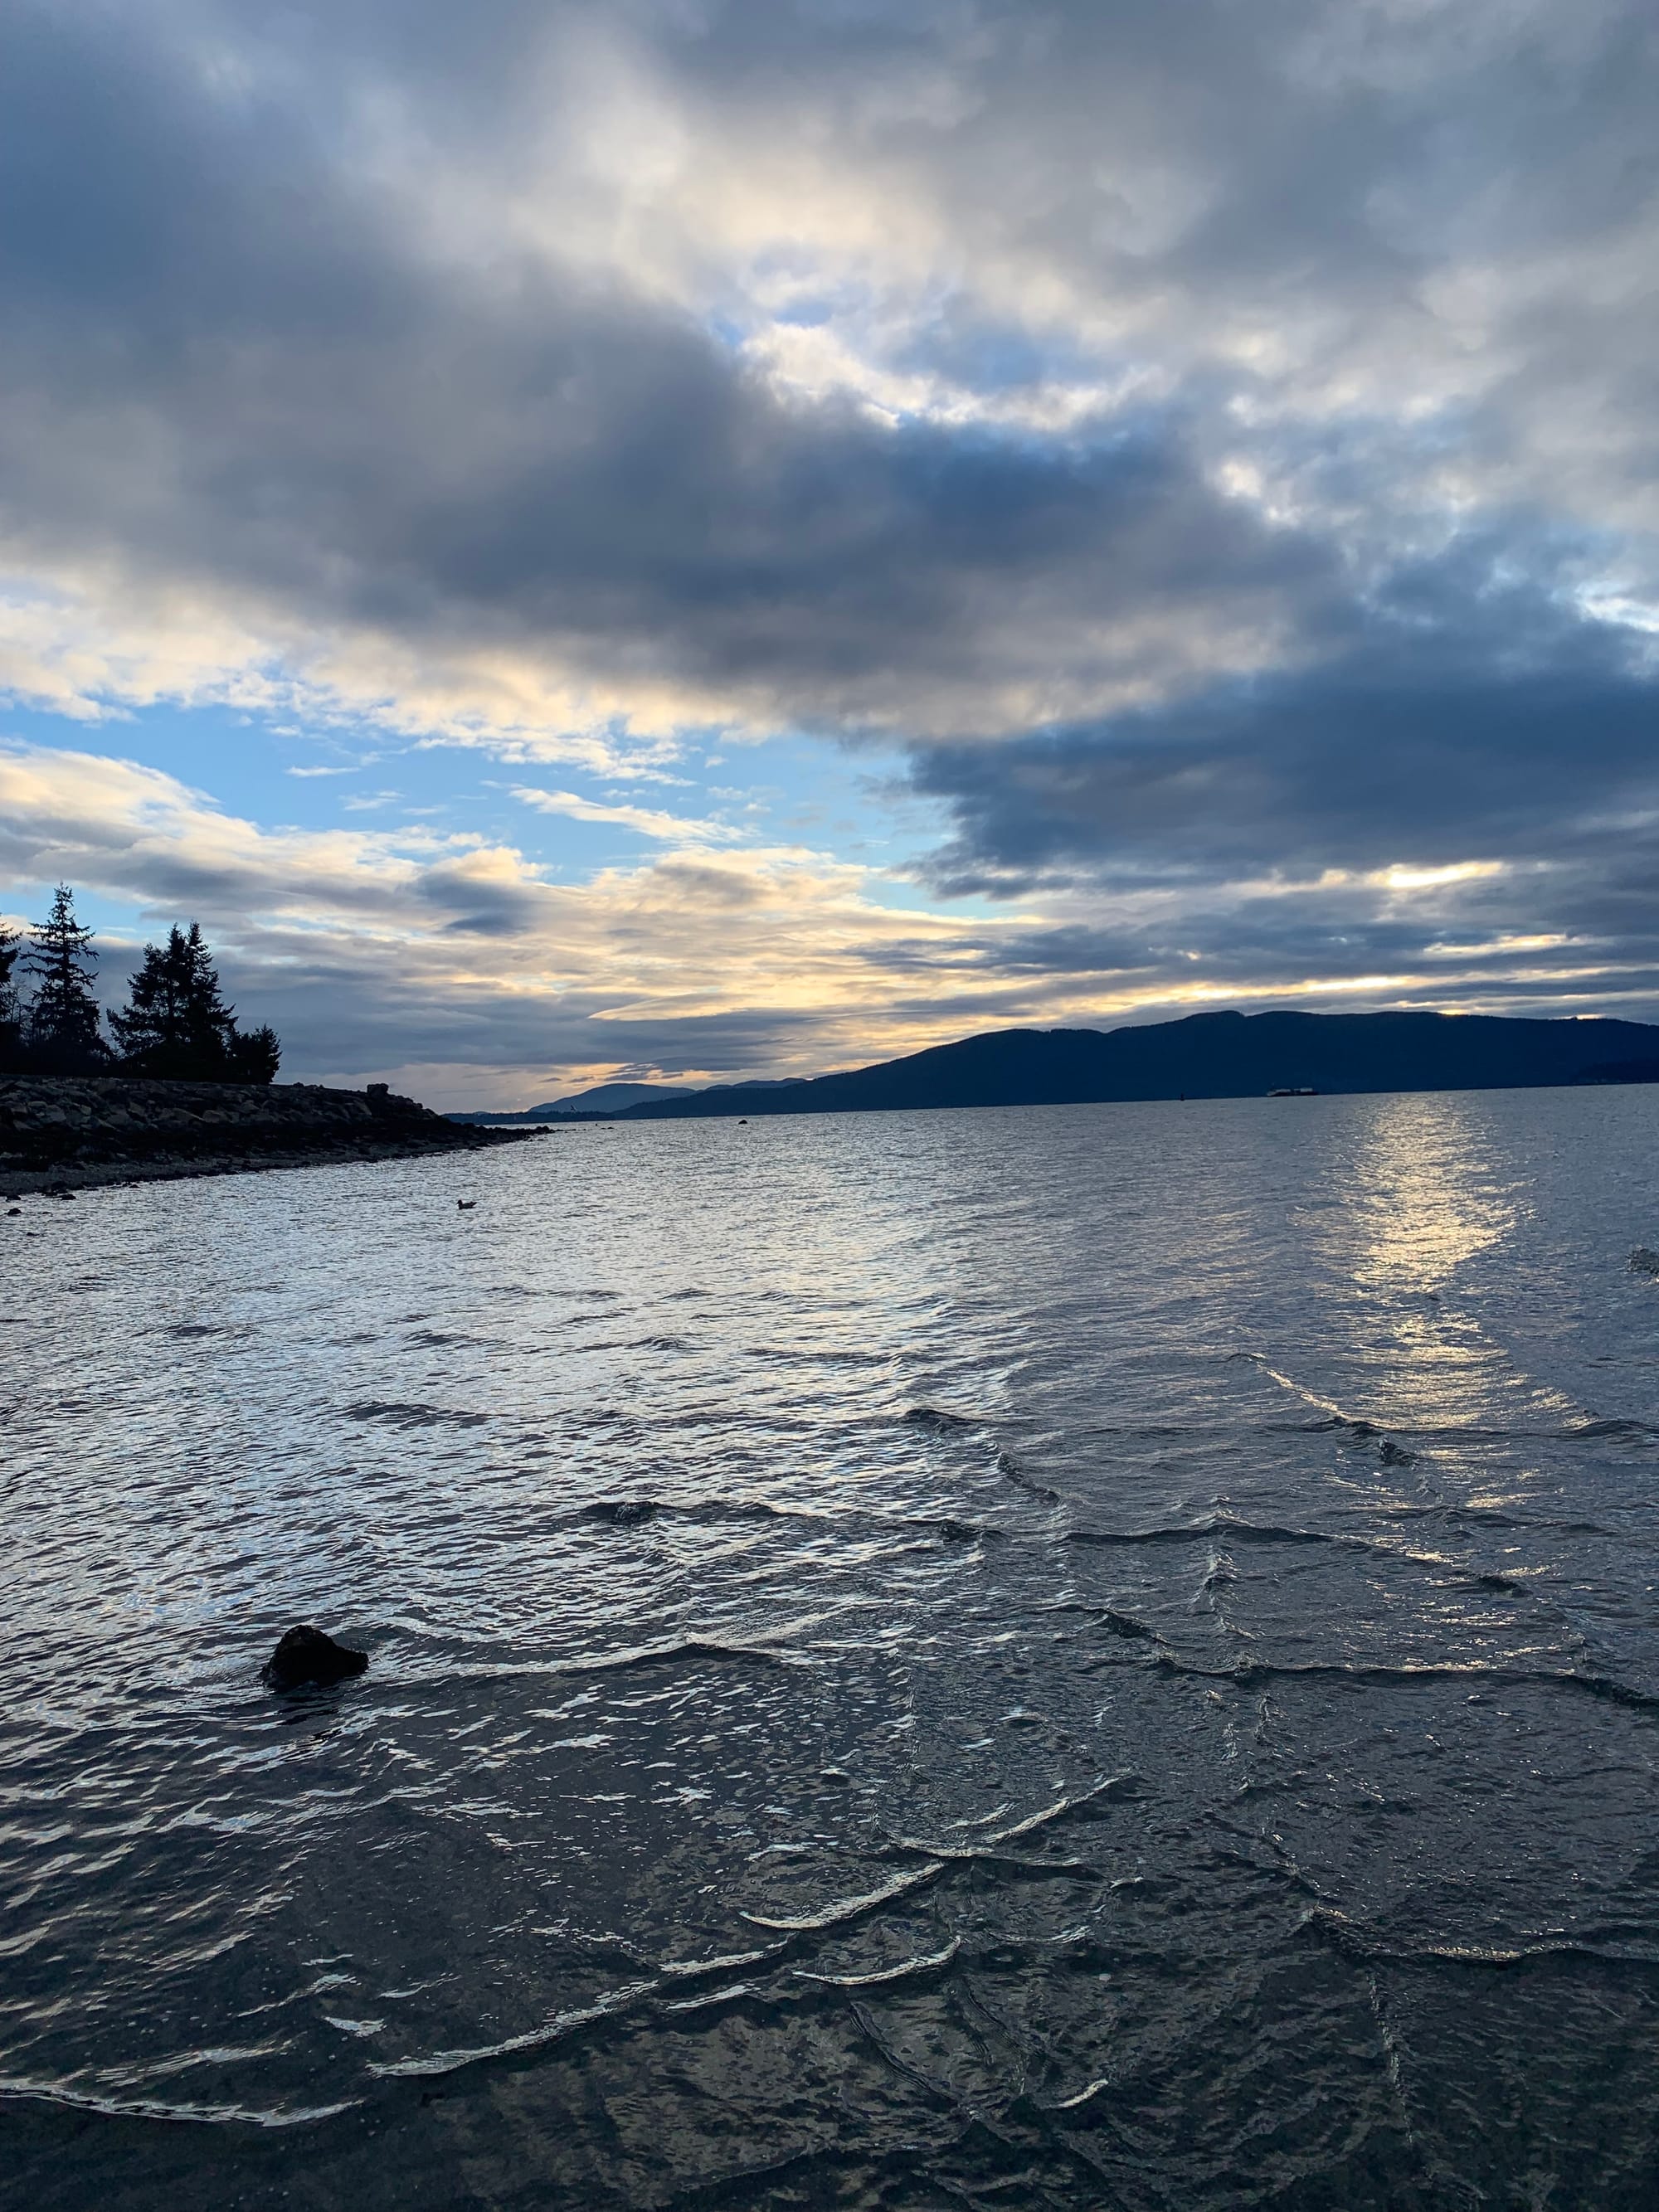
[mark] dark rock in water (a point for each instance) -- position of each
(624, 1512)
(305, 1655)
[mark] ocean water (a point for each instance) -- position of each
(1069, 1657)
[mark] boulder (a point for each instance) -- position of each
(305, 1655)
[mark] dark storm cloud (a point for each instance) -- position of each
(219, 357)
(235, 353)
(1456, 716)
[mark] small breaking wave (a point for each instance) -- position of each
(879, 1977)
(846, 1910)
(559, 2028)
(1349, 1935)
(1083, 2096)
(154, 2108)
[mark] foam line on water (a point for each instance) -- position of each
(1083, 2096)
(879, 1977)
(1328, 1921)
(154, 2108)
(549, 2031)
(848, 1909)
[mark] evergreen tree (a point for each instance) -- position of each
(63, 1034)
(176, 1022)
(256, 1055)
(209, 1023)
(11, 1007)
(154, 1031)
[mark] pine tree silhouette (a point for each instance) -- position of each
(176, 1022)
(11, 1007)
(256, 1055)
(154, 1031)
(63, 1034)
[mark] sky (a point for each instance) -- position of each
(691, 540)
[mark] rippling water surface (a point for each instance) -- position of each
(1085, 1657)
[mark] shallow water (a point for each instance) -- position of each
(1079, 1657)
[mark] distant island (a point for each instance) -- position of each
(613, 1101)
(607, 1099)
(1211, 1055)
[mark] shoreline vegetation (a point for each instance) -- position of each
(178, 1087)
(175, 1022)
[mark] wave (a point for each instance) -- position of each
(623, 1512)
(1250, 1673)
(689, 1969)
(1009, 1467)
(828, 1920)
(631, 1512)
(1223, 1529)
(1082, 2096)
(936, 1417)
(1329, 1921)
(731, 1994)
(154, 2108)
(677, 1652)
(1202, 1532)
(558, 2029)
(879, 1977)
(846, 1910)
(399, 1415)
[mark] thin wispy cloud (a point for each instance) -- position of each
(644, 821)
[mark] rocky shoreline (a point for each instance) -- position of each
(71, 1133)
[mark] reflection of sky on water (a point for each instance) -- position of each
(724, 1507)
(1416, 1192)
(1425, 1194)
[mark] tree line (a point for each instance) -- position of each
(175, 1021)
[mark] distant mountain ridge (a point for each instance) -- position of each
(609, 1100)
(1210, 1055)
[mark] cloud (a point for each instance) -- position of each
(381, 952)
(379, 949)
(1461, 719)
(1216, 448)
(644, 821)
(914, 372)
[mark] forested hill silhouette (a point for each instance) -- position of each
(1220, 1055)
